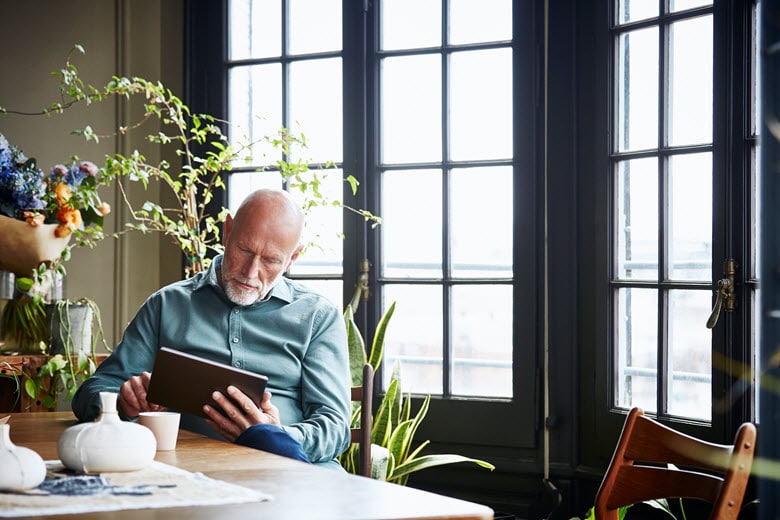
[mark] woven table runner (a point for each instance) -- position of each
(158, 485)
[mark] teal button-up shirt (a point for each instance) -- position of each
(294, 336)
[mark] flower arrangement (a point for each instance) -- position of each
(67, 196)
(35, 208)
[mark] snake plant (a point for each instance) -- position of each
(393, 454)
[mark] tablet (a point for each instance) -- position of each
(185, 382)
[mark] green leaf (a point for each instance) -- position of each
(377, 345)
(382, 429)
(32, 387)
(400, 440)
(356, 347)
(662, 504)
(430, 461)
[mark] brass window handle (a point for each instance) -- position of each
(725, 294)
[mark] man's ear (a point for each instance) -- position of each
(227, 228)
(294, 257)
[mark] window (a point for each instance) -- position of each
(284, 70)
(425, 118)
(668, 189)
(446, 184)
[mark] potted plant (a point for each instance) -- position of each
(42, 217)
(394, 456)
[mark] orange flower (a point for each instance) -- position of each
(62, 231)
(33, 218)
(63, 193)
(104, 209)
(70, 217)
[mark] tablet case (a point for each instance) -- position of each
(185, 382)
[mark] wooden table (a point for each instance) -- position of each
(300, 490)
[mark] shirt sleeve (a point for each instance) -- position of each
(134, 354)
(325, 391)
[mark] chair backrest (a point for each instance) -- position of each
(362, 435)
(716, 473)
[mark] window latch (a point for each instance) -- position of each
(725, 297)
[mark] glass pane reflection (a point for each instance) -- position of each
(637, 219)
(690, 350)
(255, 29)
(633, 10)
(690, 102)
(481, 222)
(411, 109)
(414, 337)
(254, 109)
(316, 107)
(481, 105)
(411, 224)
(482, 340)
(324, 228)
(473, 21)
(690, 248)
(637, 358)
(315, 26)
(637, 94)
(409, 24)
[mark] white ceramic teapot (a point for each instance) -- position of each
(20, 467)
(108, 443)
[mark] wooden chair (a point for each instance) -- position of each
(643, 440)
(362, 435)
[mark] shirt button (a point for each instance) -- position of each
(237, 364)
(235, 340)
(236, 311)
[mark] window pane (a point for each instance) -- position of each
(633, 10)
(414, 337)
(637, 360)
(254, 109)
(637, 219)
(481, 108)
(315, 26)
(482, 340)
(411, 109)
(324, 227)
(681, 5)
(690, 352)
(243, 183)
(690, 86)
(690, 224)
(255, 29)
(473, 21)
(411, 227)
(481, 222)
(637, 85)
(315, 107)
(408, 24)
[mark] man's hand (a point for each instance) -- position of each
(239, 413)
(132, 396)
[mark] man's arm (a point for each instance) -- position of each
(325, 391)
(131, 357)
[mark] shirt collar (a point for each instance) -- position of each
(280, 290)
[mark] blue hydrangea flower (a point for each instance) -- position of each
(22, 184)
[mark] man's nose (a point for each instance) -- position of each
(251, 267)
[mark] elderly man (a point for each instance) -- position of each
(244, 313)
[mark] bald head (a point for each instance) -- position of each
(261, 243)
(272, 208)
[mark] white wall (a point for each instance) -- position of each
(121, 37)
